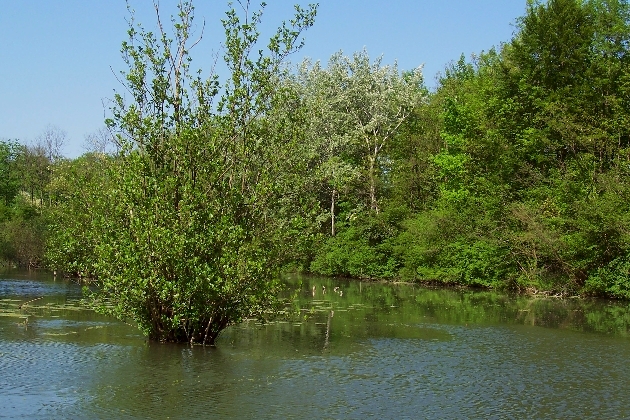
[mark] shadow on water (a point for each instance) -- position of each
(348, 350)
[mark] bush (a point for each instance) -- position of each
(363, 250)
(612, 280)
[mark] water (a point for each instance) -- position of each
(363, 350)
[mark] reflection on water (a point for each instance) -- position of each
(388, 351)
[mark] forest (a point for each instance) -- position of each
(512, 174)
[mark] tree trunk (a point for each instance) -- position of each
(372, 179)
(332, 212)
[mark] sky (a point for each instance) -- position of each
(59, 59)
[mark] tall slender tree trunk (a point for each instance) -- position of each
(332, 212)
(372, 179)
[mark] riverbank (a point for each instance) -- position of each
(532, 290)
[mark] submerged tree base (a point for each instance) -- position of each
(191, 334)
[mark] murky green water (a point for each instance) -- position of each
(363, 350)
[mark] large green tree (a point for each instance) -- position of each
(357, 109)
(533, 136)
(376, 99)
(186, 237)
(329, 146)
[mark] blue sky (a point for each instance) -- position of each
(58, 57)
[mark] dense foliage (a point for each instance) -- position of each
(514, 173)
(25, 173)
(184, 228)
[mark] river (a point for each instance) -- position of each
(351, 350)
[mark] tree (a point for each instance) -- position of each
(51, 142)
(356, 108)
(9, 189)
(35, 168)
(376, 101)
(78, 187)
(9, 177)
(187, 237)
(330, 148)
(22, 225)
(533, 139)
(101, 141)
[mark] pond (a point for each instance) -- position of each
(352, 350)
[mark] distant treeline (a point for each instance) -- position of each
(514, 173)
(25, 180)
